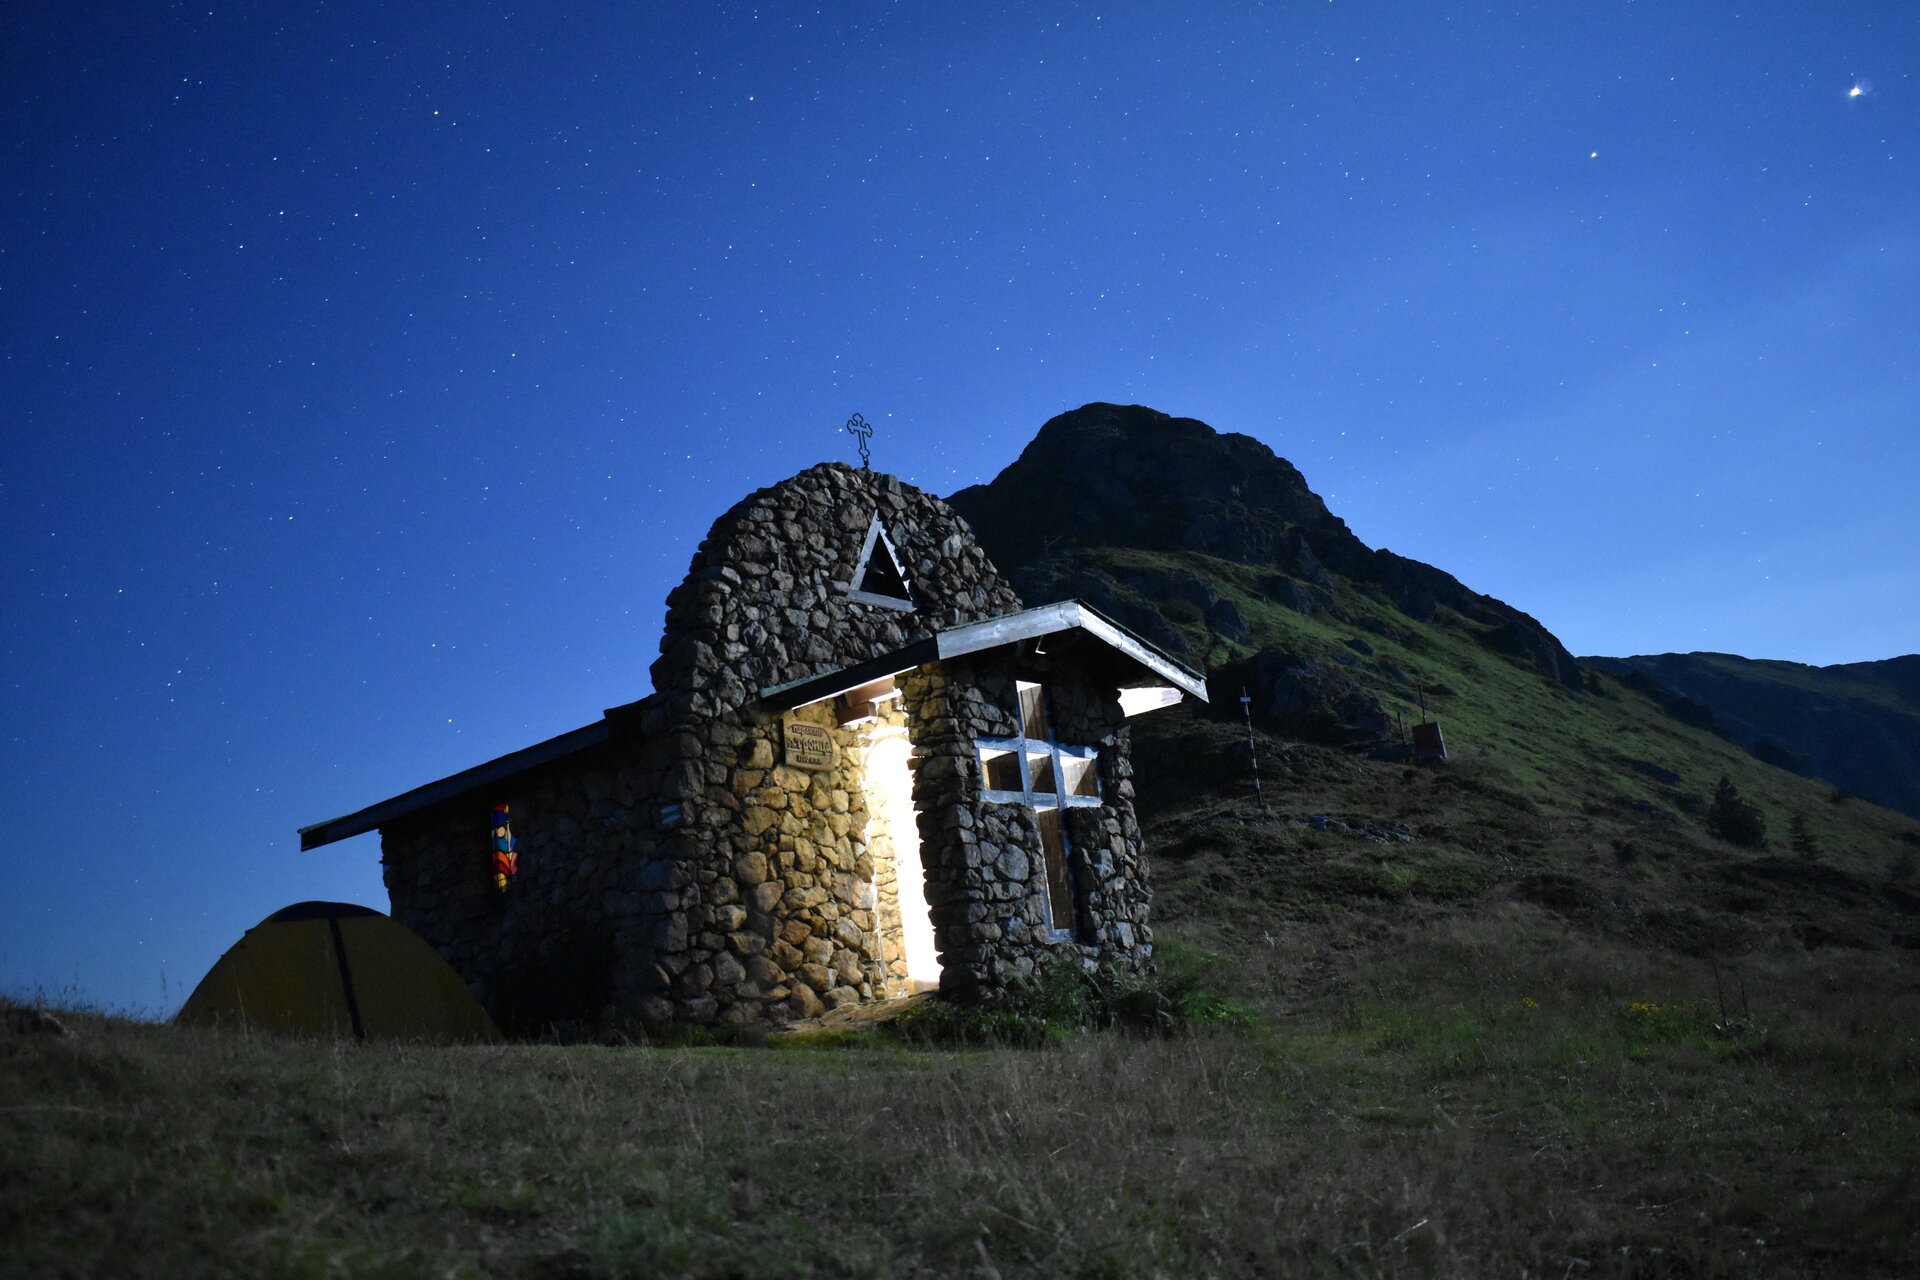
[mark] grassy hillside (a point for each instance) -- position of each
(1519, 1014)
(1892, 684)
(1855, 725)
(1557, 1029)
(1470, 1107)
(1581, 811)
(1605, 759)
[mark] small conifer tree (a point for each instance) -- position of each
(1801, 838)
(1734, 818)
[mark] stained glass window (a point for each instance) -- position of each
(506, 851)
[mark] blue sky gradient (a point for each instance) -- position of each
(371, 371)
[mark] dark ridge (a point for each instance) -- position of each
(1107, 476)
(1855, 725)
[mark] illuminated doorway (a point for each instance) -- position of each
(889, 787)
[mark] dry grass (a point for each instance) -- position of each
(1496, 1049)
(1468, 1104)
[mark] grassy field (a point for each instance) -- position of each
(1470, 1095)
(1520, 1015)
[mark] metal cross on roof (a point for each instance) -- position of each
(862, 431)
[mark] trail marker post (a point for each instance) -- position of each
(1253, 756)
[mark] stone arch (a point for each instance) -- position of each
(769, 884)
(768, 597)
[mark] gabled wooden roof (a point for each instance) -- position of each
(1155, 667)
(1154, 674)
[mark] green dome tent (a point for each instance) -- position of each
(332, 968)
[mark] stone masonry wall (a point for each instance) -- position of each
(984, 861)
(781, 918)
(799, 913)
(777, 860)
(765, 600)
(683, 872)
(595, 884)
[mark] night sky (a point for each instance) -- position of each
(370, 372)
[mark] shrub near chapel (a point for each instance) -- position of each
(864, 770)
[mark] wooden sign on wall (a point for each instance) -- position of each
(810, 746)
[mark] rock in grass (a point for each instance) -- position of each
(35, 1022)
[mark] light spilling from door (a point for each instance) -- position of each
(889, 785)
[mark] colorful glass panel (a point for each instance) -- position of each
(506, 850)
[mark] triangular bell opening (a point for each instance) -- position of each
(878, 579)
(883, 577)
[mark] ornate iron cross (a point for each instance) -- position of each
(862, 431)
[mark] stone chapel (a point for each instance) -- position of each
(865, 769)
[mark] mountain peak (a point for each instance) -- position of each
(1127, 475)
(1107, 476)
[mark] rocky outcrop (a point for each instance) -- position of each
(1106, 476)
(1111, 475)
(28, 1021)
(1303, 698)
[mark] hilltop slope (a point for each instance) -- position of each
(1575, 801)
(1526, 987)
(1105, 476)
(1855, 725)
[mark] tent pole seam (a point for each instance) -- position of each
(346, 977)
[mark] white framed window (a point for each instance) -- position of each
(1048, 777)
